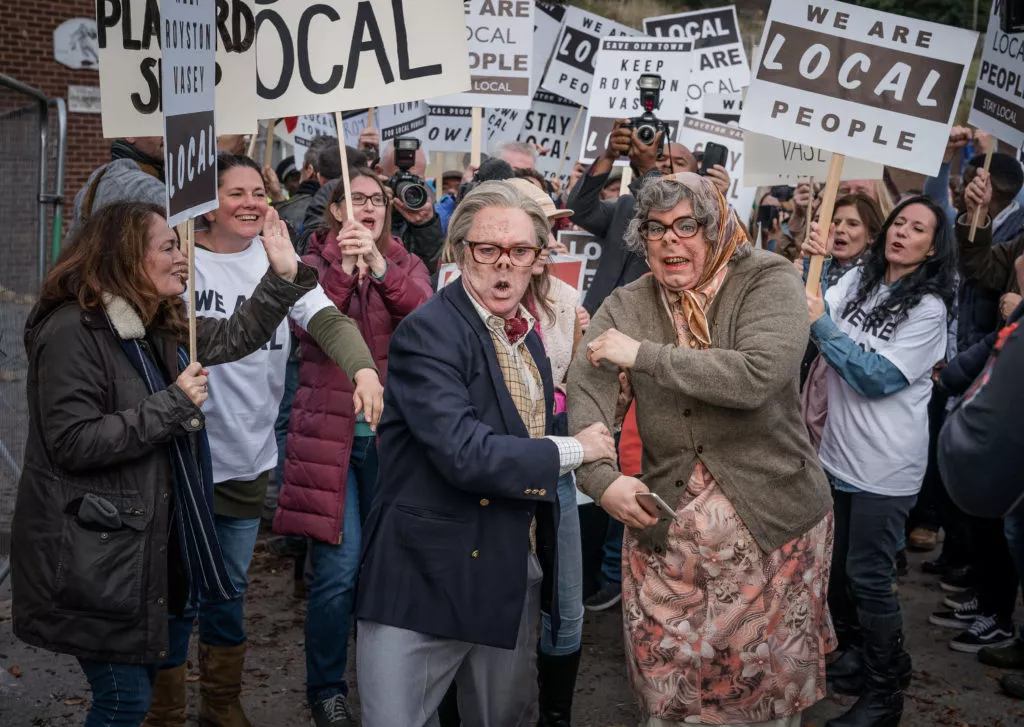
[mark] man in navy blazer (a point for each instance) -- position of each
(450, 584)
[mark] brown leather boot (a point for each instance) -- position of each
(169, 699)
(220, 685)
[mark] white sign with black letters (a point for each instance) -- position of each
(720, 65)
(695, 133)
(725, 108)
(502, 125)
(769, 161)
(128, 38)
(620, 62)
(860, 82)
(189, 64)
(570, 73)
(337, 55)
(500, 39)
(309, 127)
(998, 106)
(449, 129)
(548, 123)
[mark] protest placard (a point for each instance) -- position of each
(615, 94)
(336, 55)
(570, 71)
(725, 108)
(500, 40)
(856, 81)
(549, 123)
(998, 105)
(129, 57)
(770, 161)
(570, 269)
(310, 126)
(190, 142)
(583, 244)
(449, 128)
(401, 119)
(695, 133)
(503, 125)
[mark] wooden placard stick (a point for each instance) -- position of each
(252, 141)
(478, 133)
(369, 117)
(190, 236)
(810, 211)
(344, 173)
(828, 203)
(977, 213)
(568, 143)
(268, 151)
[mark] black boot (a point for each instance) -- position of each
(556, 677)
(846, 674)
(881, 705)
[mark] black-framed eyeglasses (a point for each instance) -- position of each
(377, 200)
(488, 253)
(684, 227)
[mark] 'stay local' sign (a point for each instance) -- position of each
(571, 70)
(720, 66)
(998, 106)
(860, 82)
(190, 143)
(500, 39)
(549, 124)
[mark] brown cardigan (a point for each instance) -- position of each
(736, 406)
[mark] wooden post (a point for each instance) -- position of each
(627, 179)
(828, 202)
(977, 213)
(190, 236)
(344, 166)
(810, 212)
(568, 144)
(268, 151)
(369, 117)
(252, 141)
(478, 134)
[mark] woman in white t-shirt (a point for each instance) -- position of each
(881, 328)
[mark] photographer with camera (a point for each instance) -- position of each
(403, 166)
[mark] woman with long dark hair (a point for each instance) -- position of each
(113, 528)
(881, 328)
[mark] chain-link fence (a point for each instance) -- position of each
(32, 145)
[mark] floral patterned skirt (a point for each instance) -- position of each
(719, 632)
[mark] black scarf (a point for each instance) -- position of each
(123, 150)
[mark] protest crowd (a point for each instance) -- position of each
(612, 369)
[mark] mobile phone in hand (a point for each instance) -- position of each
(713, 154)
(654, 506)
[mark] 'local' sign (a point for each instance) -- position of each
(620, 63)
(571, 70)
(860, 82)
(998, 106)
(190, 142)
(549, 124)
(721, 64)
(500, 38)
(770, 161)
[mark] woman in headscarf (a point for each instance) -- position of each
(724, 599)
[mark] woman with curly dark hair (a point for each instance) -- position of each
(881, 328)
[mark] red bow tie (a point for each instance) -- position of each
(516, 328)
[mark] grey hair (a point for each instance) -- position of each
(492, 194)
(661, 195)
(519, 147)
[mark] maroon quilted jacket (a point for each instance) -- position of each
(322, 426)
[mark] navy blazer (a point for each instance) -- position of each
(446, 543)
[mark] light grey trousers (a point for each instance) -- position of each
(403, 675)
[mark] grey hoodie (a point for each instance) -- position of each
(123, 181)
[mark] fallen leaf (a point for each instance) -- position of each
(72, 701)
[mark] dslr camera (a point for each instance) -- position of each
(647, 125)
(406, 186)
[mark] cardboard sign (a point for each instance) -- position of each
(583, 244)
(311, 126)
(338, 55)
(500, 39)
(620, 62)
(549, 123)
(129, 57)
(725, 108)
(402, 119)
(769, 161)
(570, 72)
(721, 64)
(570, 269)
(695, 133)
(998, 105)
(859, 82)
(190, 142)
(449, 129)
(502, 125)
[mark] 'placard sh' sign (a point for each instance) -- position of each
(859, 82)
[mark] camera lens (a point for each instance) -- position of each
(646, 134)
(414, 196)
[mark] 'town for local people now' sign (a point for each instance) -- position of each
(860, 82)
(190, 142)
(998, 106)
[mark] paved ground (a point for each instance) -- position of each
(949, 689)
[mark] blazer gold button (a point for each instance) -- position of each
(485, 502)
(475, 554)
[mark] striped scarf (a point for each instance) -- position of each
(193, 492)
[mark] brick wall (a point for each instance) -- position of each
(26, 54)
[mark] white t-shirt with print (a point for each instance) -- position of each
(245, 395)
(881, 445)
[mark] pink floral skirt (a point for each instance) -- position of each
(719, 632)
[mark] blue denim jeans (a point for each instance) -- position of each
(611, 566)
(332, 586)
(220, 623)
(570, 577)
(284, 415)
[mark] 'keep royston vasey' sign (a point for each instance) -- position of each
(571, 70)
(322, 57)
(190, 142)
(620, 63)
(998, 106)
(860, 82)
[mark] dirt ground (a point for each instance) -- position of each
(949, 689)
